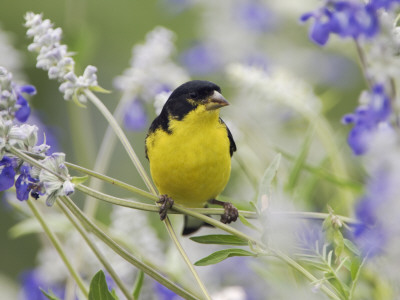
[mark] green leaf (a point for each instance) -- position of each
(219, 239)
(354, 268)
(138, 284)
(221, 255)
(50, 295)
(99, 289)
(264, 188)
(353, 248)
(31, 225)
(78, 180)
(99, 89)
(326, 175)
(76, 99)
(299, 162)
(247, 223)
(339, 243)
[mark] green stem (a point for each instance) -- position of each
(115, 200)
(282, 256)
(33, 161)
(138, 284)
(91, 227)
(105, 152)
(95, 250)
(363, 63)
(354, 185)
(196, 212)
(124, 140)
(355, 280)
(113, 181)
(57, 245)
(185, 257)
(218, 224)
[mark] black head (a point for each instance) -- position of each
(190, 95)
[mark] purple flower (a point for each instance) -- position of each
(25, 184)
(201, 59)
(24, 110)
(7, 173)
(367, 119)
(320, 30)
(386, 4)
(370, 235)
(135, 117)
(31, 285)
(346, 19)
(165, 294)
(12, 102)
(253, 16)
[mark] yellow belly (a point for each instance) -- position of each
(193, 164)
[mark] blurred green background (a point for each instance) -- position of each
(102, 33)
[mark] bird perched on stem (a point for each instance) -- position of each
(189, 148)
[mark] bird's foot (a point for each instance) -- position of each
(230, 212)
(166, 203)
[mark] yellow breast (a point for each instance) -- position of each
(192, 164)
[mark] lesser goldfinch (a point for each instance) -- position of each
(189, 148)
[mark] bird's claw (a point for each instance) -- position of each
(166, 203)
(230, 213)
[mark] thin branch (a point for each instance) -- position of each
(57, 245)
(96, 251)
(90, 226)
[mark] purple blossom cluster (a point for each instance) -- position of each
(28, 180)
(352, 19)
(13, 104)
(368, 119)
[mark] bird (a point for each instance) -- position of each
(189, 148)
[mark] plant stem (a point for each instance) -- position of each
(113, 181)
(115, 200)
(91, 227)
(282, 256)
(105, 151)
(355, 280)
(363, 63)
(208, 211)
(185, 257)
(95, 250)
(124, 140)
(57, 245)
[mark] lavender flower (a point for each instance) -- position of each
(55, 58)
(344, 18)
(371, 116)
(7, 173)
(13, 104)
(386, 4)
(32, 283)
(201, 59)
(254, 16)
(135, 117)
(152, 68)
(152, 72)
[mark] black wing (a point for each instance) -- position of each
(232, 145)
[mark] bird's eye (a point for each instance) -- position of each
(193, 95)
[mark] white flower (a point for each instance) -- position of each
(152, 68)
(56, 181)
(55, 58)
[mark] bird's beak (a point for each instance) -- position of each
(216, 101)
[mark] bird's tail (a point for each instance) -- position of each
(191, 225)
